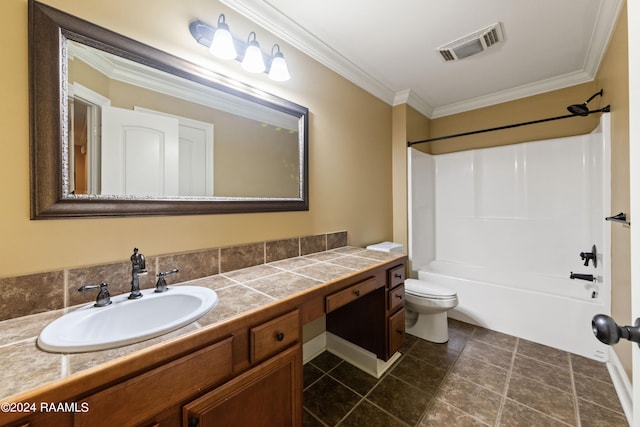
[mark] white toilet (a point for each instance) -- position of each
(426, 310)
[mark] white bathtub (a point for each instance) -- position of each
(549, 310)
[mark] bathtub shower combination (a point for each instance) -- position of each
(505, 227)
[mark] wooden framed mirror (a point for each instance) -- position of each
(119, 128)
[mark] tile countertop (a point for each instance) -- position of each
(25, 367)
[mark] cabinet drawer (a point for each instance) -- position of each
(352, 293)
(274, 335)
(396, 276)
(396, 298)
(141, 398)
(396, 332)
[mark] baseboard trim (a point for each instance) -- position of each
(359, 357)
(622, 384)
(314, 347)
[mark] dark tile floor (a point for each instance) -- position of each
(478, 378)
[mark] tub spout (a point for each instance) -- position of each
(587, 277)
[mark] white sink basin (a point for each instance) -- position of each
(127, 321)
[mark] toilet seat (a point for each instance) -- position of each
(420, 288)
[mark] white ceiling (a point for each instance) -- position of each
(388, 47)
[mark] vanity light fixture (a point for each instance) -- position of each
(222, 44)
(279, 70)
(252, 60)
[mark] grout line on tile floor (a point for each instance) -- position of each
(574, 391)
(507, 381)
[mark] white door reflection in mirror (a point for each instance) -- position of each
(196, 154)
(139, 153)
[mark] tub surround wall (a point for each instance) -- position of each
(530, 207)
(523, 207)
(521, 214)
(36, 293)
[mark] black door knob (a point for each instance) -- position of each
(608, 331)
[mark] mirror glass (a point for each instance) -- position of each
(138, 131)
(142, 132)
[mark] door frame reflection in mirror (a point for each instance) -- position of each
(51, 193)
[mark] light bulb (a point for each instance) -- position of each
(222, 45)
(279, 70)
(252, 61)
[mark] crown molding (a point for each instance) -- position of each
(269, 17)
(608, 15)
(410, 98)
(276, 22)
(536, 88)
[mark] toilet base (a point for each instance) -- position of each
(431, 327)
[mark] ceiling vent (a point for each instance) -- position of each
(471, 44)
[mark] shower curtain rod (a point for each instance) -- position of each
(601, 110)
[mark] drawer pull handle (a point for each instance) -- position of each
(280, 336)
(399, 296)
(357, 293)
(400, 331)
(397, 275)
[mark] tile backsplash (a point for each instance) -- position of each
(36, 293)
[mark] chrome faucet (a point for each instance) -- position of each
(137, 269)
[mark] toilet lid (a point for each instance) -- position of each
(421, 288)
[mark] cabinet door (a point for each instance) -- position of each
(268, 395)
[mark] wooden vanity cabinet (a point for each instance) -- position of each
(251, 377)
(244, 372)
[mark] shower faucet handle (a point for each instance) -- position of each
(586, 256)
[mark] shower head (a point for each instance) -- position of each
(582, 109)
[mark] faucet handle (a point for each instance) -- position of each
(586, 256)
(161, 285)
(104, 298)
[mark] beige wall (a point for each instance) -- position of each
(546, 105)
(408, 125)
(350, 166)
(613, 77)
